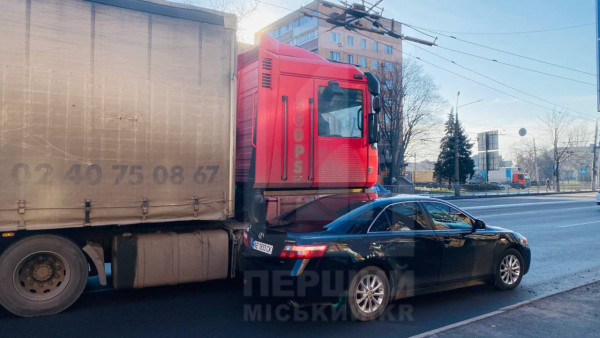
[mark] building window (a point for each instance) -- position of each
(304, 38)
(335, 37)
(363, 44)
(388, 49)
(388, 66)
(389, 84)
(363, 62)
(375, 46)
(350, 40)
(375, 64)
(350, 59)
(335, 56)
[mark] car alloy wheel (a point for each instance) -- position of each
(369, 293)
(510, 269)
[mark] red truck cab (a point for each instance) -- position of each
(304, 124)
(522, 180)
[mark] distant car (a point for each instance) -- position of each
(361, 252)
(380, 190)
(502, 185)
(598, 197)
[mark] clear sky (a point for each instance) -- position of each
(472, 20)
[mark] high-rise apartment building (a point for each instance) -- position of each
(365, 49)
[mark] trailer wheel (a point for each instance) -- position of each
(41, 275)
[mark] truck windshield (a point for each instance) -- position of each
(314, 216)
(340, 112)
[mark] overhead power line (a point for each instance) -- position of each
(504, 84)
(515, 66)
(516, 33)
(488, 86)
(501, 51)
(274, 5)
(478, 73)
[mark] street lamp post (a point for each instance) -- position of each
(535, 162)
(456, 161)
(523, 132)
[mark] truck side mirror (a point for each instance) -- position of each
(372, 84)
(373, 128)
(376, 104)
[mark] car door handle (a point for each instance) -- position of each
(447, 240)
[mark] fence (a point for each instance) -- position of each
(444, 190)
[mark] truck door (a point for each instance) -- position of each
(296, 96)
(339, 147)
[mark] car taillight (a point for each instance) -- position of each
(292, 251)
(246, 240)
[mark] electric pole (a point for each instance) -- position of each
(537, 175)
(594, 166)
(456, 163)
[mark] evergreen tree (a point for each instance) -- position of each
(444, 167)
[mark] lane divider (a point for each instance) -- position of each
(516, 205)
(576, 224)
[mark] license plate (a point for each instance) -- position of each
(262, 247)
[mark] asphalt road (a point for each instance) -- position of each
(563, 232)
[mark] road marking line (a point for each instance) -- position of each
(576, 224)
(535, 212)
(515, 205)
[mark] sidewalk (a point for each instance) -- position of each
(574, 313)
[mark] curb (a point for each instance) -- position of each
(497, 312)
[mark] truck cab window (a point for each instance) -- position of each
(340, 113)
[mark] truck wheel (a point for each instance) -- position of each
(41, 275)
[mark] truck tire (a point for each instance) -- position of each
(41, 275)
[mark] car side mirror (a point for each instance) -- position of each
(479, 224)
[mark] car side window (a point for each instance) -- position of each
(446, 217)
(400, 217)
(363, 220)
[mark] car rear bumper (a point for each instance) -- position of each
(301, 280)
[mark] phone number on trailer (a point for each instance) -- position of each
(93, 174)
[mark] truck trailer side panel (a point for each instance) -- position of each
(114, 115)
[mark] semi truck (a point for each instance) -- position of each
(132, 133)
(511, 175)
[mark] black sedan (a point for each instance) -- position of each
(363, 252)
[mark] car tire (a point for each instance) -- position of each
(41, 275)
(509, 270)
(368, 294)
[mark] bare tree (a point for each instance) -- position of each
(240, 8)
(564, 133)
(412, 106)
